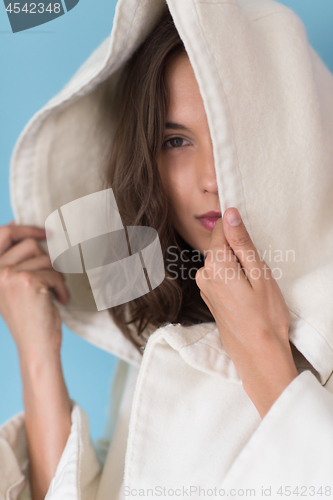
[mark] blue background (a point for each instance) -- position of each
(34, 65)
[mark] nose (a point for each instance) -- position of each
(206, 173)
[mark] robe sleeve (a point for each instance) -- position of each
(78, 472)
(290, 454)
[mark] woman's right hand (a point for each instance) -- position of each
(26, 275)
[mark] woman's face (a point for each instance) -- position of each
(185, 161)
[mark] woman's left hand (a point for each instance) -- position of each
(250, 312)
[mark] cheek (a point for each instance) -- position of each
(179, 188)
(178, 177)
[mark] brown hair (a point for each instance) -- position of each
(133, 175)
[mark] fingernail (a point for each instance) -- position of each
(233, 217)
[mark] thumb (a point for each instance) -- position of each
(238, 237)
(235, 230)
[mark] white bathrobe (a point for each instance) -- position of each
(180, 418)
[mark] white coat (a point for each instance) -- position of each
(184, 419)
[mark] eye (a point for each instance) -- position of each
(176, 142)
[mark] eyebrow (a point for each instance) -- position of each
(176, 126)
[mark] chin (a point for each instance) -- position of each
(196, 237)
(201, 245)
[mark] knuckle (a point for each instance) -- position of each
(198, 277)
(27, 280)
(207, 270)
(6, 275)
(42, 288)
(33, 245)
(5, 232)
(241, 239)
(255, 273)
(209, 265)
(45, 260)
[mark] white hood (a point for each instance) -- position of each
(269, 104)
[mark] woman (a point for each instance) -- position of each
(195, 130)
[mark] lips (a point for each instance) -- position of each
(211, 214)
(208, 220)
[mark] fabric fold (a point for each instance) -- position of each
(13, 458)
(78, 472)
(299, 424)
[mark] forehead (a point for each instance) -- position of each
(185, 98)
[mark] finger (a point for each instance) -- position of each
(54, 280)
(219, 249)
(241, 243)
(217, 239)
(13, 233)
(221, 262)
(206, 300)
(26, 249)
(11, 223)
(35, 264)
